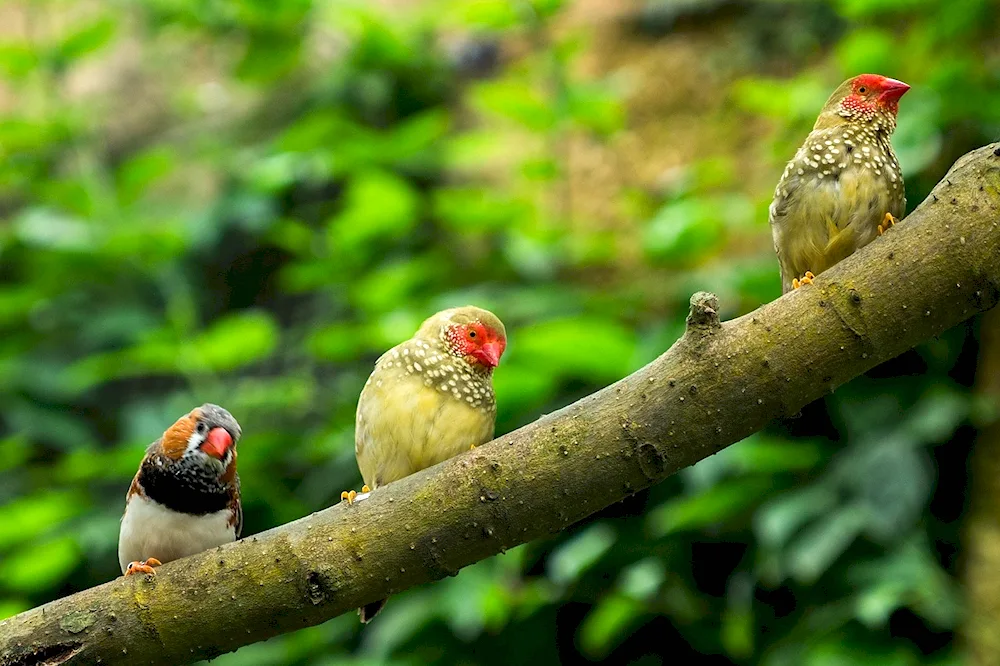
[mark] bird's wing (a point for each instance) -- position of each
(236, 506)
(404, 426)
(811, 223)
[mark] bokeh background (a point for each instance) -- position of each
(246, 201)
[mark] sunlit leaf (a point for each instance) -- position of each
(39, 566)
(580, 553)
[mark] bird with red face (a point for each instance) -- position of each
(185, 498)
(844, 186)
(428, 399)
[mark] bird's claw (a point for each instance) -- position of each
(806, 279)
(146, 567)
(349, 495)
(365, 489)
(887, 221)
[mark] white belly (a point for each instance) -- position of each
(151, 530)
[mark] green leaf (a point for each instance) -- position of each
(642, 580)
(18, 59)
(553, 346)
(580, 553)
(517, 101)
(336, 342)
(607, 625)
(232, 342)
(819, 546)
(714, 505)
(476, 209)
(777, 520)
(51, 229)
(137, 174)
(868, 50)
(40, 566)
(685, 232)
(29, 517)
(87, 40)
(379, 207)
(738, 625)
(596, 108)
(482, 14)
(269, 56)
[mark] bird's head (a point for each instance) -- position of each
(206, 438)
(470, 333)
(864, 98)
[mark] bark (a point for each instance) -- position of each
(716, 385)
(982, 535)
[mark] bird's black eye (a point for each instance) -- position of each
(202, 428)
(472, 334)
(862, 90)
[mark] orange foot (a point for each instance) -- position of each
(348, 495)
(146, 566)
(887, 221)
(806, 279)
(365, 489)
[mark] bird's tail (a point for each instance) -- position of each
(369, 611)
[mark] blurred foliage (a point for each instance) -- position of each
(245, 202)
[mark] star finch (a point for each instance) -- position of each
(185, 498)
(844, 185)
(428, 399)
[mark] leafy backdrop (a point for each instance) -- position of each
(245, 202)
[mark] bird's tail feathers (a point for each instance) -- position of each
(369, 611)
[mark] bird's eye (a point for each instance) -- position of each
(201, 428)
(472, 334)
(862, 90)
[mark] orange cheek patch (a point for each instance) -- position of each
(175, 439)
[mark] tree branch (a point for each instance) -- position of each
(716, 385)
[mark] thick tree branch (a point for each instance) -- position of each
(716, 385)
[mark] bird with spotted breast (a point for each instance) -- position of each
(428, 399)
(185, 498)
(844, 186)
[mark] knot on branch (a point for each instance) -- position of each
(704, 314)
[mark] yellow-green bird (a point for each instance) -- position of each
(844, 185)
(428, 399)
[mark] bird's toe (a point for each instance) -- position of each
(144, 567)
(805, 279)
(887, 222)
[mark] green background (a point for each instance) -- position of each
(246, 201)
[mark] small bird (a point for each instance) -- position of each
(844, 185)
(185, 498)
(428, 399)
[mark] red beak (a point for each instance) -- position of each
(217, 443)
(892, 90)
(489, 354)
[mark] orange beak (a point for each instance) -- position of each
(489, 354)
(217, 443)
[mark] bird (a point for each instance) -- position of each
(185, 498)
(844, 186)
(428, 399)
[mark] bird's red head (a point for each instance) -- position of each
(484, 344)
(873, 92)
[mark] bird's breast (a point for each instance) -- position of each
(406, 423)
(150, 529)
